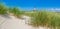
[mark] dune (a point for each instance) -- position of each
(15, 23)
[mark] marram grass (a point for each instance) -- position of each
(47, 19)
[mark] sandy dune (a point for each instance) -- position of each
(14, 23)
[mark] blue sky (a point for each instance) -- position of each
(33, 3)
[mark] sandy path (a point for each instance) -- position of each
(15, 23)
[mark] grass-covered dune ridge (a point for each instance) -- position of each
(7, 10)
(45, 19)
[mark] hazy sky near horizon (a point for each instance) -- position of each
(32, 3)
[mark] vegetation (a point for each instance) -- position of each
(46, 19)
(15, 11)
(3, 9)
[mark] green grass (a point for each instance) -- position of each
(45, 18)
(14, 10)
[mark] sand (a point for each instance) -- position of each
(15, 23)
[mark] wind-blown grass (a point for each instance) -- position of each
(14, 10)
(3, 9)
(46, 19)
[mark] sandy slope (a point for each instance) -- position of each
(14, 23)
